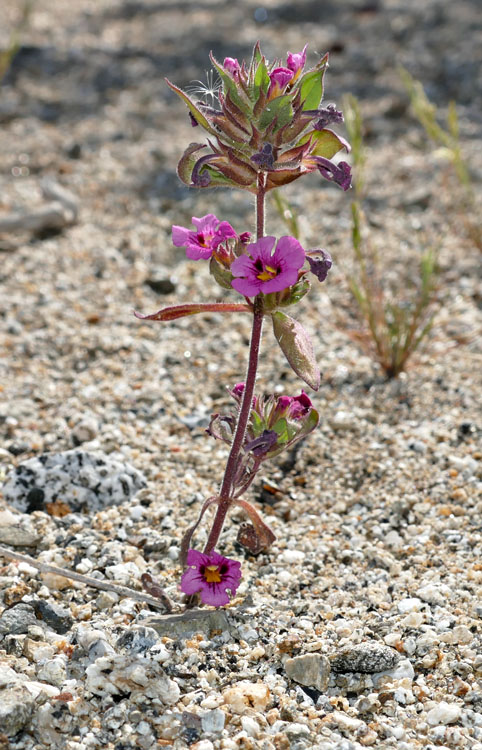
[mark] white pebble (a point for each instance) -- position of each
(136, 512)
(411, 604)
(284, 576)
(413, 620)
(250, 726)
(213, 721)
(444, 713)
(293, 555)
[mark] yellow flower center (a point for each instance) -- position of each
(212, 574)
(204, 239)
(268, 273)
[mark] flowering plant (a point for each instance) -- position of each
(268, 128)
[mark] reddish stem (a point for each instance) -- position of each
(226, 492)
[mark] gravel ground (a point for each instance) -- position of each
(362, 624)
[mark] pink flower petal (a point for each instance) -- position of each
(291, 251)
(241, 266)
(192, 581)
(246, 287)
(206, 224)
(216, 597)
(262, 248)
(180, 236)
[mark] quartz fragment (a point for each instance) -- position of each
(312, 670)
(245, 696)
(444, 713)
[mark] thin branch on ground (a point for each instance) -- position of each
(122, 591)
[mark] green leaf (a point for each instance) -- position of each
(297, 347)
(261, 78)
(221, 274)
(280, 108)
(256, 423)
(256, 58)
(311, 89)
(230, 86)
(297, 292)
(196, 113)
(326, 143)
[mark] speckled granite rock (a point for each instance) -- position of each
(75, 478)
(365, 657)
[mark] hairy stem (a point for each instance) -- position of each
(226, 492)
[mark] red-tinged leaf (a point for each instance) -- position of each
(181, 311)
(297, 347)
(261, 537)
(284, 177)
(188, 161)
(325, 143)
(235, 92)
(196, 113)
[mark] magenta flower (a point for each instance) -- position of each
(231, 65)
(296, 62)
(262, 270)
(290, 407)
(210, 575)
(279, 77)
(300, 406)
(209, 234)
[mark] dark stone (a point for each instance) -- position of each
(35, 499)
(16, 449)
(17, 619)
(161, 286)
(55, 617)
(74, 151)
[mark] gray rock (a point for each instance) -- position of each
(17, 536)
(76, 477)
(312, 670)
(55, 617)
(368, 657)
(137, 640)
(18, 619)
(190, 622)
(16, 708)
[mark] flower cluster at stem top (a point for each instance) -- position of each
(267, 118)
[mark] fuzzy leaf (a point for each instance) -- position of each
(181, 311)
(188, 161)
(196, 113)
(256, 58)
(280, 108)
(297, 347)
(283, 177)
(325, 142)
(261, 78)
(230, 86)
(311, 89)
(221, 274)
